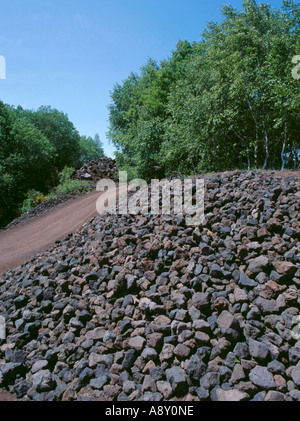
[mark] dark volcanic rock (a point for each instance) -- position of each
(177, 378)
(261, 377)
(145, 307)
(97, 170)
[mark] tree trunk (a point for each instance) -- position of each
(248, 159)
(282, 156)
(256, 131)
(267, 154)
(266, 141)
(295, 159)
(246, 146)
(193, 165)
(283, 149)
(255, 155)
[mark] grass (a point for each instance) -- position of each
(78, 186)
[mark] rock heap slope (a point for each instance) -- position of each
(95, 170)
(146, 308)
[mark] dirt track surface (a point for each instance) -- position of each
(21, 243)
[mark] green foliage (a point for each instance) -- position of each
(78, 186)
(66, 185)
(90, 149)
(228, 101)
(34, 147)
(65, 175)
(60, 131)
(33, 199)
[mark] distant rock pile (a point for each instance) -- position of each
(146, 308)
(96, 170)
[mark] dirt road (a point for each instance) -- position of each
(24, 241)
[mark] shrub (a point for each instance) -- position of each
(80, 186)
(66, 185)
(33, 199)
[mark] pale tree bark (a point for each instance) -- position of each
(296, 154)
(246, 146)
(193, 164)
(266, 140)
(255, 154)
(283, 146)
(256, 131)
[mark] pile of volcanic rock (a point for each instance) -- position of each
(96, 170)
(144, 307)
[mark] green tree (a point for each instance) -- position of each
(90, 148)
(57, 127)
(226, 102)
(34, 146)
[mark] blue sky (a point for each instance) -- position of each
(69, 53)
